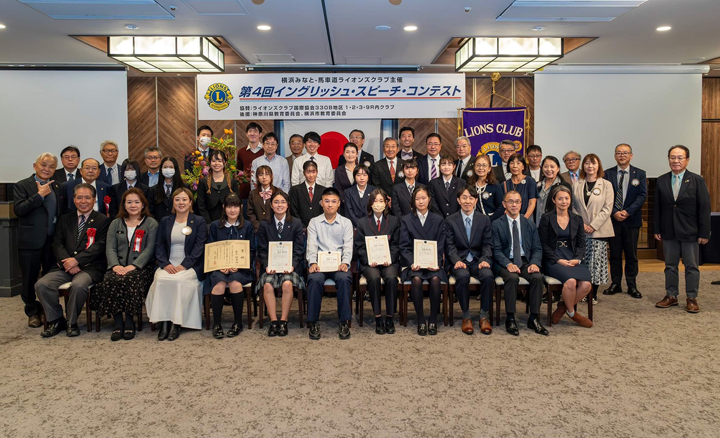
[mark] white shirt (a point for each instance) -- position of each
(394, 163)
(255, 149)
(280, 170)
(430, 166)
(361, 192)
(422, 217)
(281, 220)
(325, 236)
(75, 173)
(96, 194)
(626, 181)
(519, 227)
(535, 174)
(325, 177)
(506, 170)
(115, 172)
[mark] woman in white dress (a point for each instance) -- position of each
(175, 296)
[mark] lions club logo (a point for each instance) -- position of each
(218, 96)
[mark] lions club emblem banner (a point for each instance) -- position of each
(487, 127)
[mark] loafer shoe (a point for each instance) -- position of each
(692, 305)
(666, 302)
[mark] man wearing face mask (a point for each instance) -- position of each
(204, 137)
(90, 169)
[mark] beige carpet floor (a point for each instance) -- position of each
(639, 372)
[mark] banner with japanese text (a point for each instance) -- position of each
(289, 96)
(487, 127)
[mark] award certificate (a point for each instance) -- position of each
(329, 261)
(227, 254)
(425, 253)
(378, 249)
(280, 256)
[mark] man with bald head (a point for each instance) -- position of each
(90, 171)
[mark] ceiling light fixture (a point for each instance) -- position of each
(410, 28)
(167, 54)
(663, 28)
(2, 26)
(538, 28)
(264, 27)
(505, 55)
(131, 27)
(382, 27)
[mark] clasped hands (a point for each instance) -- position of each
(461, 265)
(533, 268)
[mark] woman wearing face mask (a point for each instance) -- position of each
(163, 190)
(491, 195)
(280, 227)
(130, 252)
(549, 178)
(215, 187)
(378, 222)
(344, 177)
(259, 201)
(231, 226)
(130, 170)
(356, 197)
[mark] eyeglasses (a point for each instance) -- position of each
(622, 154)
(270, 143)
(152, 157)
(507, 151)
(482, 166)
(69, 157)
(514, 201)
(571, 160)
(109, 151)
(676, 158)
(534, 156)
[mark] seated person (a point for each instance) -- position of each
(305, 197)
(259, 201)
(444, 190)
(402, 192)
(130, 253)
(231, 226)
(517, 253)
(489, 192)
(562, 235)
(356, 197)
(329, 232)
(377, 222)
(422, 224)
(79, 248)
(175, 295)
(213, 189)
(469, 253)
(280, 227)
(129, 170)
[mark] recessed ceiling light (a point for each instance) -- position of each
(2, 26)
(131, 27)
(538, 28)
(264, 27)
(410, 28)
(382, 27)
(663, 28)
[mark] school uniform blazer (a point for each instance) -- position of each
(210, 204)
(365, 157)
(502, 242)
(258, 209)
(380, 175)
(686, 218)
(635, 196)
(401, 199)
(342, 182)
(492, 201)
(411, 229)
(33, 217)
(162, 205)
(219, 232)
(549, 230)
(367, 226)
(300, 205)
(101, 190)
(463, 173)
(66, 243)
(119, 189)
(119, 252)
(597, 212)
(292, 232)
(444, 202)
(355, 206)
(457, 245)
(194, 243)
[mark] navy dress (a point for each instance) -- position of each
(490, 202)
(563, 243)
(527, 189)
(219, 232)
(564, 273)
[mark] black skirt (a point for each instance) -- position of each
(122, 293)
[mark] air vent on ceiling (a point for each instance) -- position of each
(216, 7)
(100, 10)
(363, 60)
(267, 58)
(567, 10)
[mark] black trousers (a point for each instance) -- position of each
(511, 286)
(389, 274)
(624, 242)
(462, 285)
(31, 261)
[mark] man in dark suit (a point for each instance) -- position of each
(444, 190)
(407, 140)
(465, 164)
(518, 253)
(109, 169)
(502, 171)
(305, 197)
(79, 248)
(388, 171)
(468, 246)
(630, 186)
(429, 165)
(89, 171)
(402, 193)
(681, 220)
(153, 158)
(357, 137)
(70, 158)
(37, 205)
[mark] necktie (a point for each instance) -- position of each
(433, 169)
(676, 186)
(168, 191)
(468, 229)
(81, 225)
(109, 175)
(392, 171)
(378, 225)
(517, 258)
(459, 168)
(411, 188)
(310, 193)
(71, 176)
(619, 192)
(573, 176)
(280, 228)
(312, 159)
(447, 186)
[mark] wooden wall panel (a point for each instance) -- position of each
(483, 89)
(141, 116)
(447, 128)
(710, 156)
(469, 92)
(422, 128)
(525, 96)
(176, 115)
(711, 98)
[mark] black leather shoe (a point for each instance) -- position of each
(273, 329)
(217, 332)
(422, 329)
(174, 332)
(314, 330)
(54, 328)
(117, 334)
(235, 330)
(164, 330)
(129, 334)
(72, 331)
(633, 292)
(282, 328)
(432, 329)
(35, 321)
(511, 327)
(380, 327)
(389, 326)
(344, 330)
(534, 324)
(613, 289)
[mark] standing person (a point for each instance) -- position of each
(534, 156)
(562, 235)
(162, 192)
(109, 169)
(37, 202)
(630, 187)
(518, 253)
(231, 226)
(357, 137)
(70, 158)
(444, 190)
(386, 173)
(203, 140)
(130, 169)
(89, 170)
(325, 177)
(422, 224)
(280, 170)
(329, 232)
(593, 200)
(246, 156)
(215, 187)
(296, 149)
(280, 227)
(130, 254)
(356, 197)
(490, 202)
(259, 201)
(407, 141)
(502, 170)
(572, 164)
(525, 185)
(79, 248)
(153, 158)
(305, 198)
(469, 254)
(402, 193)
(549, 179)
(344, 178)
(378, 222)
(465, 164)
(429, 165)
(175, 295)
(681, 220)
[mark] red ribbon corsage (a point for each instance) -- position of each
(106, 201)
(91, 237)
(139, 234)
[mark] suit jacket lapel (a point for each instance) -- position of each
(684, 183)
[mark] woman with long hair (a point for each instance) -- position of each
(491, 195)
(171, 180)
(215, 187)
(259, 201)
(549, 179)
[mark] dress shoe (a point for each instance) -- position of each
(273, 330)
(72, 331)
(116, 335)
(613, 289)
(380, 327)
(217, 332)
(389, 326)
(282, 328)
(581, 320)
(467, 326)
(666, 302)
(54, 328)
(716, 282)
(174, 332)
(314, 330)
(511, 327)
(164, 330)
(692, 305)
(558, 313)
(432, 329)
(633, 292)
(344, 330)
(485, 326)
(422, 329)
(35, 321)
(536, 325)
(129, 334)
(235, 330)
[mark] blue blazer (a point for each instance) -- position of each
(635, 196)
(492, 199)
(355, 206)
(194, 244)
(102, 189)
(219, 232)
(292, 232)
(502, 239)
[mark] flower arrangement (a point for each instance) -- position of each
(201, 168)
